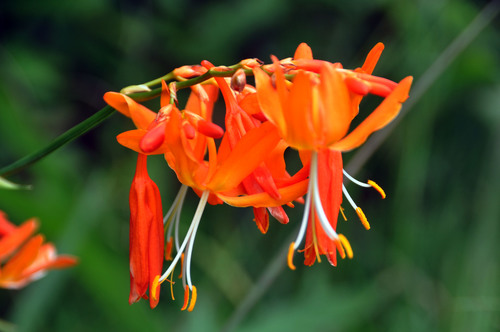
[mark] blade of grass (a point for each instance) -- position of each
(454, 49)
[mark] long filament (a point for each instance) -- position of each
(194, 224)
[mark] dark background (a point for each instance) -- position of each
(430, 261)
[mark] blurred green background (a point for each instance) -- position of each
(429, 263)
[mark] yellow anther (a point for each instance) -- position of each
(290, 204)
(362, 217)
(154, 288)
(193, 299)
(377, 188)
(291, 251)
(340, 249)
(346, 245)
(342, 211)
(186, 298)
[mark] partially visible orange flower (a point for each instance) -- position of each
(26, 259)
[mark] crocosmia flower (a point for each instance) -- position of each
(313, 113)
(300, 102)
(26, 258)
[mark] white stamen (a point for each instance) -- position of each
(192, 227)
(173, 207)
(346, 194)
(305, 217)
(178, 220)
(359, 183)
(176, 209)
(189, 252)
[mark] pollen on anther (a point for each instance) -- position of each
(291, 251)
(362, 217)
(154, 287)
(377, 188)
(194, 295)
(346, 245)
(340, 249)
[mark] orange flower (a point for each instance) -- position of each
(145, 234)
(28, 262)
(313, 114)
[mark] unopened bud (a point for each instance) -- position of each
(135, 89)
(251, 63)
(239, 80)
(173, 91)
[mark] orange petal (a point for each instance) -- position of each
(249, 152)
(24, 258)
(303, 51)
(47, 259)
(141, 115)
(165, 94)
(300, 116)
(132, 139)
(379, 118)
(372, 58)
(334, 105)
(11, 242)
(288, 194)
(6, 227)
(269, 100)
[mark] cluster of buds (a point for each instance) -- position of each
(300, 103)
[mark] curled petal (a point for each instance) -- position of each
(372, 58)
(140, 115)
(263, 199)
(382, 115)
(249, 152)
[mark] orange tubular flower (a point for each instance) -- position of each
(28, 262)
(313, 115)
(146, 235)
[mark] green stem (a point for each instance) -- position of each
(168, 77)
(66, 137)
